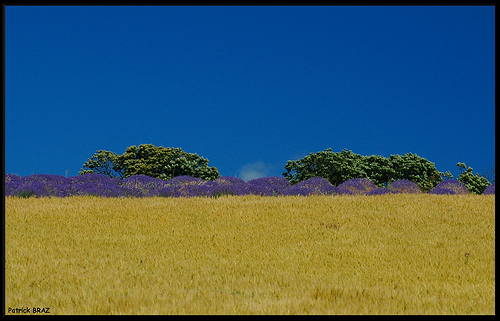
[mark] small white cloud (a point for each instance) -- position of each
(254, 170)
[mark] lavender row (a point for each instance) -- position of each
(43, 185)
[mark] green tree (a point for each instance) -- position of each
(159, 162)
(474, 183)
(416, 169)
(335, 167)
(105, 163)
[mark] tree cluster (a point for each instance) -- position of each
(337, 168)
(342, 166)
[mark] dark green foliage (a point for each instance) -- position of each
(158, 162)
(417, 170)
(105, 163)
(380, 170)
(345, 165)
(165, 163)
(26, 193)
(335, 167)
(474, 183)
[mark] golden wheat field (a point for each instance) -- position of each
(388, 254)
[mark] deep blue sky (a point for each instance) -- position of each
(249, 88)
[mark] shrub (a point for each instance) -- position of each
(93, 178)
(267, 186)
(185, 180)
(25, 193)
(312, 186)
(142, 185)
(229, 180)
(102, 190)
(167, 191)
(404, 186)
(31, 188)
(195, 190)
(226, 185)
(450, 187)
(12, 182)
(40, 185)
(355, 186)
(183, 186)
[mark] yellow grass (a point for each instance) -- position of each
(388, 254)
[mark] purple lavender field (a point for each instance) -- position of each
(43, 185)
(450, 187)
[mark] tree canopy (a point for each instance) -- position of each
(475, 184)
(105, 163)
(146, 159)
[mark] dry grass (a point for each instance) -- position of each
(389, 254)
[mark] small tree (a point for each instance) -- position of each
(105, 163)
(474, 183)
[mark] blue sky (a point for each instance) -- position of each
(249, 88)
